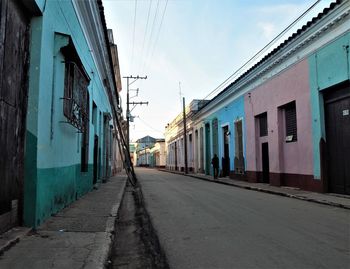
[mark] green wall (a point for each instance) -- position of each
(53, 177)
(329, 66)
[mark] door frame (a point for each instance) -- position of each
(334, 94)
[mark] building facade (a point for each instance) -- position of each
(68, 107)
(285, 121)
(158, 154)
(149, 152)
(174, 138)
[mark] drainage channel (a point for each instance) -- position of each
(136, 244)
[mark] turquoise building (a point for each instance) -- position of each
(330, 105)
(70, 86)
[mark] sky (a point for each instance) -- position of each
(187, 48)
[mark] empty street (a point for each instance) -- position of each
(207, 225)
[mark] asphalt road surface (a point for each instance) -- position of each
(203, 224)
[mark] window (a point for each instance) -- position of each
(263, 124)
(238, 139)
(239, 158)
(85, 141)
(94, 115)
(290, 122)
(76, 98)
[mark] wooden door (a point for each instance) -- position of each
(337, 120)
(14, 57)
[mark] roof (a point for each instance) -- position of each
(303, 29)
(146, 139)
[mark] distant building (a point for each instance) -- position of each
(158, 154)
(148, 150)
(174, 138)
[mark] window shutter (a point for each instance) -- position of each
(291, 121)
(263, 124)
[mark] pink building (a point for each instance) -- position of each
(278, 128)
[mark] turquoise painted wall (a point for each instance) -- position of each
(53, 177)
(229, 114)
(328, 66)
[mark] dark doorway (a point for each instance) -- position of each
(14, 58)
(201, 149)
(337, 120)
(207, 150)
(95, 159)
(239, 158)
(265, 163)
(215, 136)
(175, 156)
(226, 157)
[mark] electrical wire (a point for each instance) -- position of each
(159, 29)
(146, 30)
(259, 53)
(151, 35)
(150, 126)
(133, 35)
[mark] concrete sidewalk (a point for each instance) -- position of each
(331, 199)
(79, 236)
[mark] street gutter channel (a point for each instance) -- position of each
(136, 244)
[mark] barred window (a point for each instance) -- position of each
(75, 105)
(290, 122)
(263, 124)
(76, 98)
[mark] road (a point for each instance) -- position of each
(203, 224)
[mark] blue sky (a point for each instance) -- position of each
(198, 43)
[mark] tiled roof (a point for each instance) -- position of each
(305, 27)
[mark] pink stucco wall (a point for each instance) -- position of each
(295, 157)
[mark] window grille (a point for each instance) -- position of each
(291, 122)
(75, 104)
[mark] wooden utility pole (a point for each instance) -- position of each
(128, 103)
(185, 135)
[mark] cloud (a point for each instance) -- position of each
(269, 29)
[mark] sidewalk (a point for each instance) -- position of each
(330, 199)
(79, 236)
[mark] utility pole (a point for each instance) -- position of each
(185, 135)
(135, 78)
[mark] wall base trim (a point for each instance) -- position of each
(304, 182)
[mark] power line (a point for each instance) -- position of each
(151, 35)
(133, 35)
(160, 27)
(260, 52)
(150, 126)
(146, 30)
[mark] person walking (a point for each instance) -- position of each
(215, 163)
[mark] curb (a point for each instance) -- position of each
(299, 197)
(14, 237)
(100, 259)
